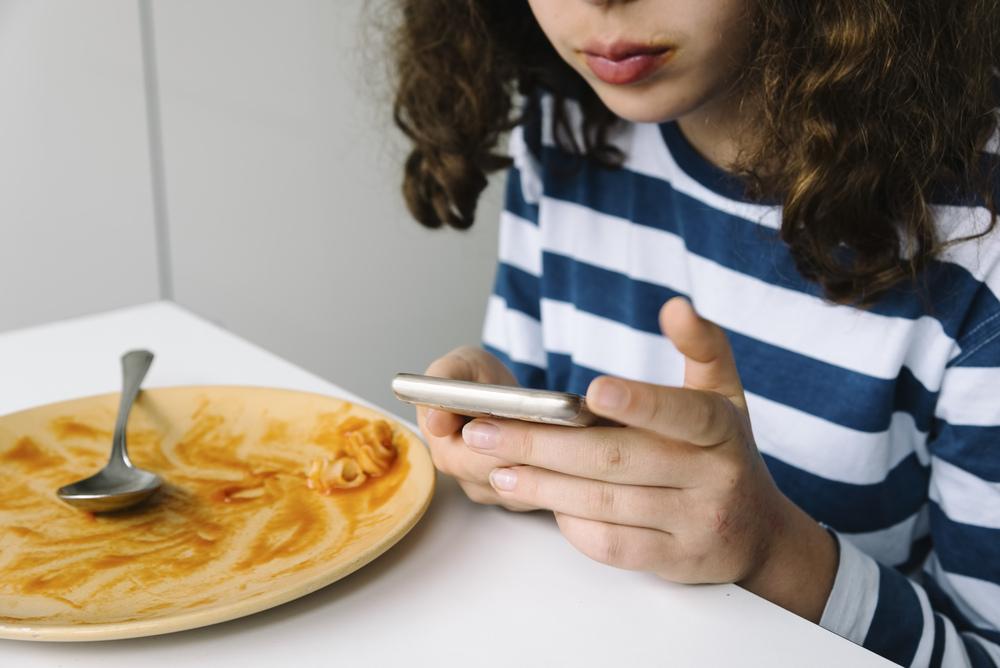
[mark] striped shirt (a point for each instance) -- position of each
(883, 424)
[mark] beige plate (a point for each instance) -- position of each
(235, 530)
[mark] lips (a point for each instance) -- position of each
(623, 63)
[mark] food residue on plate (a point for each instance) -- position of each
(252, 496)
(368, 452)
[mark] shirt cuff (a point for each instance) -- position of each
(851, 606)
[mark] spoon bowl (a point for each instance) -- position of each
(111, 489)
(119, 484)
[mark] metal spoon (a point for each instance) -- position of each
(119, 484)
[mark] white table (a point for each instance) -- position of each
(470, 585)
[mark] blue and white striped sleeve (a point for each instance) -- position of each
(512, 330)
(950, 614)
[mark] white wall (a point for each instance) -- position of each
(76, 226)
(281, 213)
(282, 180)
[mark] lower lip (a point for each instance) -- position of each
(627, 70)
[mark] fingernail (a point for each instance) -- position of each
(481, 435)
(504, 479)
(610, 395)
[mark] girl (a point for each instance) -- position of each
(809, 191)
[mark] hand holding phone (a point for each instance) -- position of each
(443, 430)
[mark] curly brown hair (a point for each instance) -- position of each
(868, 108)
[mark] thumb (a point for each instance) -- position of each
(455, 365)
(708, 358)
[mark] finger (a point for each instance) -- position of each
(437, 423)
(479, 493)
(485, 495)
(694, 416)
(610, 454)
(451, 456)
(708, 357)
(629, 505)
(456, 365)
(465, 363)
(632, 548)
(442, 423)
(471, 363)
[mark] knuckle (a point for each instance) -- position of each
(609, 548)
(706, 414)
(724, 418)
(658, 408)
(693, 564)
(603, 500)
(699, 545)
(454, 364)
(525, 445)
(648, 407)
(612, 457)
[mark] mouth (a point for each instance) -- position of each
(623, 63)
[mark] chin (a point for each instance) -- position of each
(642, 105)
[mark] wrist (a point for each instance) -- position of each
(798, 566)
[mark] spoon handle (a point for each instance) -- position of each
(135, 364)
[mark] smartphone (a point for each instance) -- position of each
(501, 401)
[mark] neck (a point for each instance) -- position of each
(718, 129)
